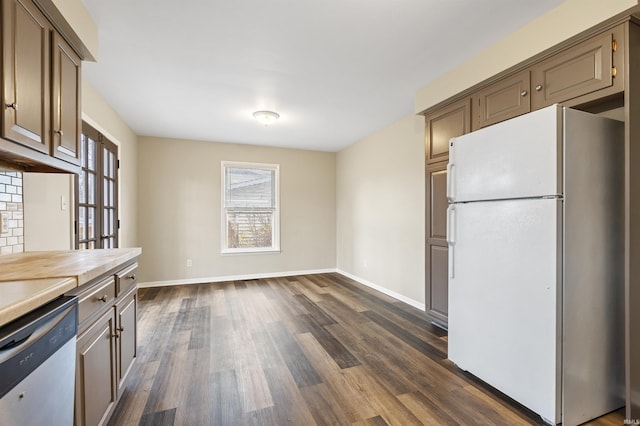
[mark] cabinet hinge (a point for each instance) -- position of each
(118, 223)
(118, 164)
(614, 45)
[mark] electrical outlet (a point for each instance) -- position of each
(189, 263)
(5, 222)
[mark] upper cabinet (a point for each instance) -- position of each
(25, 75)
(40, 90)
(590, 66)
(66, 124)
(444, 124)
(502, 100)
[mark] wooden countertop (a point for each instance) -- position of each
(20, 297)
(84, 265)
(29, 280)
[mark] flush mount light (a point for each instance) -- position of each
(266, 117)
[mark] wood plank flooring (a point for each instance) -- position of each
(304, 350)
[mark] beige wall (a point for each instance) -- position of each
(381, 209)
(567, 20)
(179, 210)
(48, 211)
(101, 116)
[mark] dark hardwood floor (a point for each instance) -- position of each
(304, 350)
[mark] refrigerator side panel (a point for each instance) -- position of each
(518, 158)
(593, 325)
(503, 297)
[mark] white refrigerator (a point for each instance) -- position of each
(535, 232)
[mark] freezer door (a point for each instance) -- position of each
(504, 293)
(518, 158)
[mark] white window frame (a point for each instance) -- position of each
(275, 241)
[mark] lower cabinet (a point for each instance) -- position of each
(96, 371)
(106, 345)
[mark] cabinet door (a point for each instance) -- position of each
(96, 371)
(25, 75)
(582, 69)
(502, 100)
(444, 124)
(126, 315)
(437, 287)
(65, 107)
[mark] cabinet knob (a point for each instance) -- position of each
(58, 132)
(116, 335)
(538, 87)
(524, 93)
(132, 277)
(103, 298)
(12, 105)
(121, 329)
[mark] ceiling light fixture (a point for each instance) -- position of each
(266, 117)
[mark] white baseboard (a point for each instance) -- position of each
(232, 278)
(384, 290)
(219, 279)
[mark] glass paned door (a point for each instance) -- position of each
(97, 210)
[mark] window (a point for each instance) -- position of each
(96, 207)
(250, 207)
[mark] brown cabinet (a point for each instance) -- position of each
(25, 75)
(444, 124)
(502, 100)
(66, 124)
(591, 66)
(127, 329)
(96, 390)
(437, 286)
(40, 86)
(107, 342)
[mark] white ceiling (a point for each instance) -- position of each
(335, 70)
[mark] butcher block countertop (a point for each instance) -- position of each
(29, 280)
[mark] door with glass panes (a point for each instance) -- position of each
(97, 197)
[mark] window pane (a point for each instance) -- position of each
(91, 229)
(249, 187)
(111, 194)
(112, 165)
(91, 154)
(91, 188)
(82, 246)
(82, 195)
(105, 192)
(249, 229)
(82, 220)
(83, 151)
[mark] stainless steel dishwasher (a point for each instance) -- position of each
(37, 365)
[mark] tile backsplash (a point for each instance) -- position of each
(11, 212)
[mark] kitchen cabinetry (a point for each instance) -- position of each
(502, 100)
(591, 66)
(107, 341)
(443, 124)
(437, 289)
(583, 73)
(25, 75)
(40, 90)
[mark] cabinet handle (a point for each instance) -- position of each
(523, 93)
(538, 87)
(121, 329)
(12, 105)
(116, 335)
(614, 72)
(131, 277)
(58, 132)
(103, 298)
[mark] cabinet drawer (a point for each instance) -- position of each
(98, 296)
(127, 278)
(582, 69)
(502, 100)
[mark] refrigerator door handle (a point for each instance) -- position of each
(450, 182)
(451, 237)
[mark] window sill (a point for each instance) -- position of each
(250, 251)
